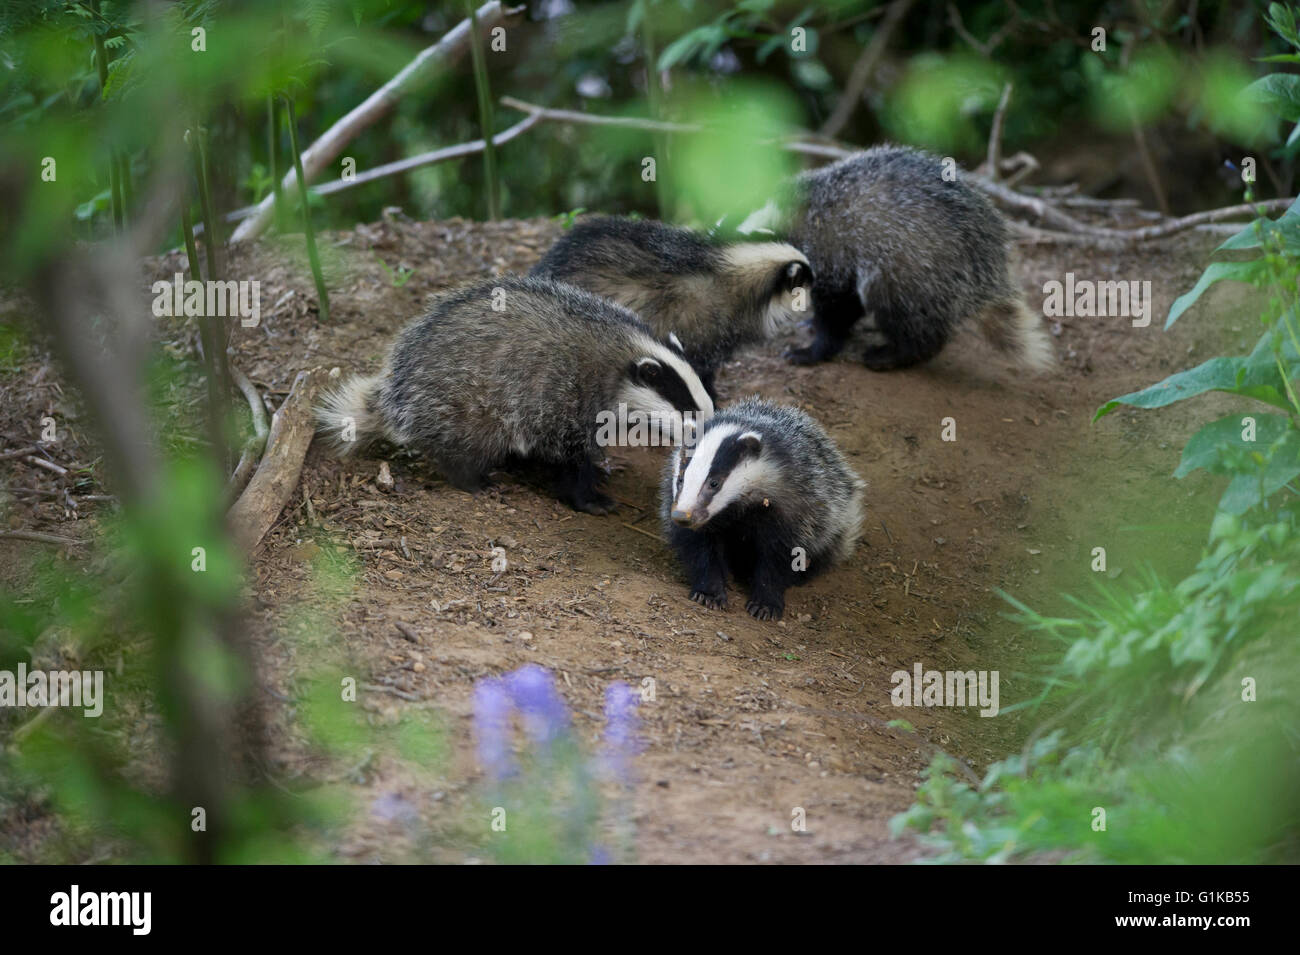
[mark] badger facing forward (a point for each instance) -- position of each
(765, 495)
(886, 234)
(716, 296)
(515, 368)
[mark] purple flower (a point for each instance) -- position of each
(533, 690)
(492, 709)
(620, 742)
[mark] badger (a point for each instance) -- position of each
(887, 234)
(765, 495)
(713, 295)
(516, 368)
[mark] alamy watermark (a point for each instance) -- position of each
(646, 429)
(214, 298)
(946, 688)
(1088, 299)
(82, 689)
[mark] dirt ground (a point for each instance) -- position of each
(750, 719)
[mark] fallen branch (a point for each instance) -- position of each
(325, 149)
(292, 428)
(39, 538)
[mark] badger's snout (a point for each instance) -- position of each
(692, 519)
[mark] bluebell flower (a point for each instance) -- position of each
(532, 688)
(620, 741)
(492, 709)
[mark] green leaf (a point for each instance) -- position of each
(1249, 490)
(1236, 376)
(1208, 447)
(1288, 227)
(1215, 272)
(1280, 92)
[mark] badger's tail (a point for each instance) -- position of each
(1011, 328)
(348, 417)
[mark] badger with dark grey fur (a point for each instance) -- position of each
(515, 368)
(887, 234)
(764, 495)
(715, 296)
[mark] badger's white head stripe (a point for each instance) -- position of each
(677, 342)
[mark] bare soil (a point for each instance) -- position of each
(750, 719)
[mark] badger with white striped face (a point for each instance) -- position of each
(764, 496)
(715, 295)
(516, 368)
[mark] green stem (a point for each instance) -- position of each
(655, 100)
(210, 237)
(191, 250)
(321, 292)
(114, 182)
(485, 118)
(272, 158)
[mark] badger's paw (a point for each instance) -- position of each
(713, 601)
(802, 356)
(597, 503)
(765, 611)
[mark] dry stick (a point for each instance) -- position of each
(865, 65)
(593, 119)
(40, 538)
(406, 165)
(324, 150)
(291, 432)
(48, 465)
(640, 530)
(19, 452)
(995, 134)
(256, 443)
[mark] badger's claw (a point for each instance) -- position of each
(709, 600)
(762, 611)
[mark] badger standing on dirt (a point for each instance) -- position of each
(715, 296)
(516, 368)
(765, 495)
(887, 234)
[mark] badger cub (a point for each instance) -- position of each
(716, 296)
(887, 234)
(515, 368)
(765, 495)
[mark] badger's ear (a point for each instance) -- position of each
(646, 370)
(751, 443)
(797, 274)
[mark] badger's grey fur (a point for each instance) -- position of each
(886, 234)
(715, 296)
(473, 386)
(762, 480)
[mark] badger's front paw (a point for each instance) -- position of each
(713, 601)
(595, 503)
(765, 611)
(802, 356)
